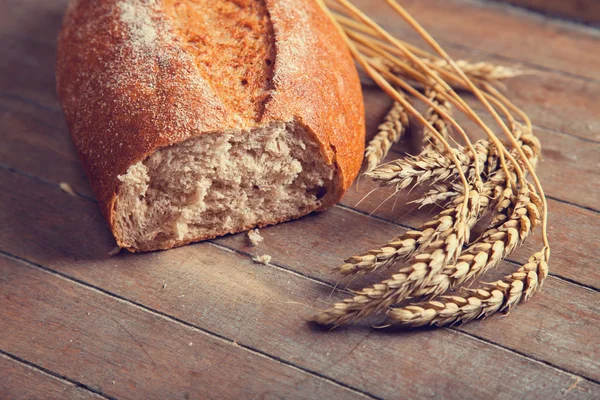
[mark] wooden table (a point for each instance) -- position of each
(204, 321)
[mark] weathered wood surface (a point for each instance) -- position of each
(21, 381)
(245, 321)
(262, 307)
(578, 10)
(119, 349)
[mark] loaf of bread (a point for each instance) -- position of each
(199, 118)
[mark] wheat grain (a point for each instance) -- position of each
(502, 295)
(435, 118)
(65, 187)
(390, 131)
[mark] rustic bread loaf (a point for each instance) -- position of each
(198, 118)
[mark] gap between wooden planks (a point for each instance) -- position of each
(579, 10)
(22, 379)
(51, 85)
(205, 269)
(56, 161)
(153, 354)
(553, 100)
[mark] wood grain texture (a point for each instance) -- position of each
(263, 307)
(19, 381)
(217, 288)
(125, 352)
(554, 100)
(37, 143)
(578, 10)
(479, 25)
(38, 149)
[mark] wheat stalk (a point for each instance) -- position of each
(390, 131)
(502, 295)
(435, 119)
(439, 244)
(481, 70)
(428, 166)
(437, 261)
(496, 243)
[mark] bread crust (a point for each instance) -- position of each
(129, 90)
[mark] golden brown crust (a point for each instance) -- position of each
(128, 88)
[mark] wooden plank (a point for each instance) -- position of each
(571, 48)
(38, 144)
(220, 291)
(123, 351)
(572, 230)
(20, 381)
(563, 156)
(579, 10)
(552, 100)
(44, 152)
(496, 29)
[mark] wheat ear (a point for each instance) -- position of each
(502, 295)
(390, 131)
(496, 243)
(481, 70)
(405, 173)
(433, 116)
(442, 244)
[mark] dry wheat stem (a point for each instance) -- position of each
(385, 85)
(435, 107)
(425, 35)
(502, 295)
(400, 46)
(437, 260)
(450, 97)
(479, 72)
(390, 131)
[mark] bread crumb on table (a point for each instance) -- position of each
(65, 187)
(255, 237)
(114, 251)
(264, 259)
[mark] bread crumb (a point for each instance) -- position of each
(114, 251)
(65, 187)
(264, 259)
(255, 237)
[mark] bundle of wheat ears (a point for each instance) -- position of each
(480, 181)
